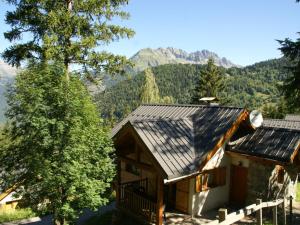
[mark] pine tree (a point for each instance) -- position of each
(59, 152)
(66, 31)
(291, 86)
(209, 84)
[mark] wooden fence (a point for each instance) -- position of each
(227, 219)
(134, 199)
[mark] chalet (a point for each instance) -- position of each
(194, 158)
(7, 199)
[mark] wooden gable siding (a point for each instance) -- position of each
(143, 156)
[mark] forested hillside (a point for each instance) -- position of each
(253, 87)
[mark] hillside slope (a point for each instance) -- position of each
(252, 86)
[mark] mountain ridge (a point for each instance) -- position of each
(149, 57)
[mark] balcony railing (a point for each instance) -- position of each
(134, 198)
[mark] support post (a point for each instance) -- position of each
(275, 215)
(259, 213)
(117, 184)
(222, 214)
(284, 212)
(159, 204)
(291, 210)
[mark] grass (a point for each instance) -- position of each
(298, 192)
(16, 214)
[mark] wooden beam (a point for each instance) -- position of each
(118, 181)
(137, 164)
(295, 153)
(225, 137)
(259, 212)
(159, 204)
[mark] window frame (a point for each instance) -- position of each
(210, 179)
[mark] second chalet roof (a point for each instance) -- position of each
(180, 136)
(276, 140)
(279, 123)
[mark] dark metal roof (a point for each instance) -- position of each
(270, 143)
(288, 124)
(293, 117)
(180, 136)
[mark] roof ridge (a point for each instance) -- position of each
(282, 120)
(189, 105)
(279, 128)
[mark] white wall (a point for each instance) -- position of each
(9, 198)
(214, 197)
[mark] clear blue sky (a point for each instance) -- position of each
(243, 31)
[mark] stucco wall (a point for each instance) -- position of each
(214, 197)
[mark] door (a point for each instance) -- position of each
(238, 185)
(182, 195)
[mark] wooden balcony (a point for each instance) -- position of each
(134, 199)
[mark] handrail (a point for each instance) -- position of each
(231, 218)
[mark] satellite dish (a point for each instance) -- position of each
(255, 119)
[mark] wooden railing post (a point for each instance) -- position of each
(222, 214)
(275, 215)
(259, 213)
(118, 182)
(159, 204)
(291, 210)
(284, 212)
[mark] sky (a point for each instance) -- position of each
(245, 32)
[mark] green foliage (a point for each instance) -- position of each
(59, 152)
(16, 214)
(291, 85)
(66, 31)
(298, 192)
(209, 83)
(150, 91)
(252, 86)
(276, 111)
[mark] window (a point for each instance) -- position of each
(132, 169)
(280, 174)
(210, 179)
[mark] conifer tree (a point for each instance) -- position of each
(67, 31)
(209, 83)
(291, 87)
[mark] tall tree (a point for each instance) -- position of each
(58, 151)
(291, 87)
(209, 83)
(67, 31)
(150, 91)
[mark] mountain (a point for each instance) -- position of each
(148, 57)
(253, 87)
(7, 75)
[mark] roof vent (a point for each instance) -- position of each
(255, 119)
(212, 101)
